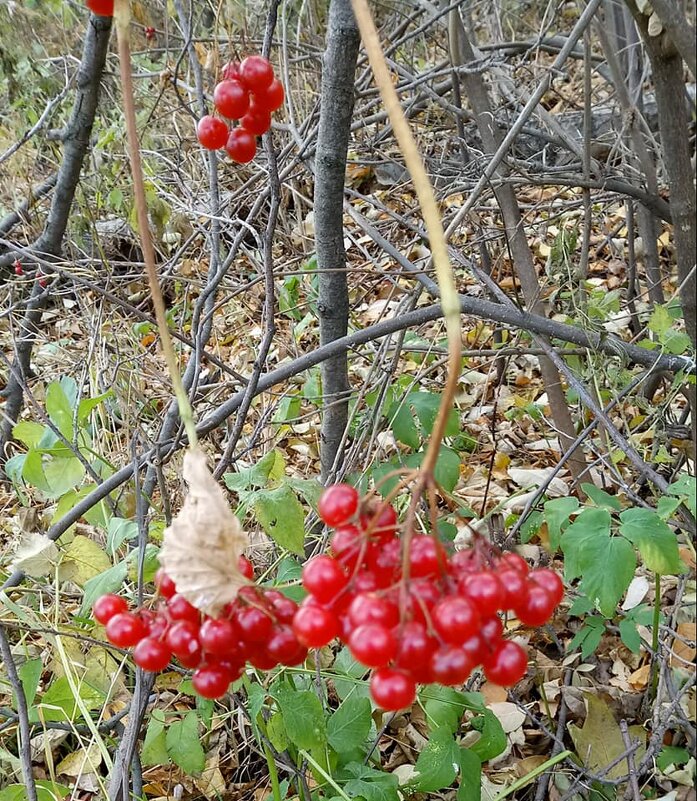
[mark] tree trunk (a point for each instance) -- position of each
(336, 112)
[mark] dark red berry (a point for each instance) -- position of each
(107, 606)
(338, 504)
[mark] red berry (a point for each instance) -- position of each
(218, 636)
(338, 503)
(253, 625)
(103, 8)
(284, 647)
(455, 619)
(231, 99)
(315, 626)
(515, 587)
(371, 608)
(536, 609)
(241, 146)
(182, 639)
(245, 567)
(466, 561)
(507, 664)
(157, 626)
(107, 606)
(180, 609)
(42, 282)
(125, 629)
(283, 608)
(550, 580)
(324, 578)
(476, 648)
(492, 629)
(257, 73)
(18, 267)
(383, 524)
(149, 33)
(165, 585)
(271, 99)
(484, 590)
(384, 561)
(346, 545)
(256, 121)
(451, 665)
(151, 655)
(211, 680)
(212, 132)
(392, 689)
(514, 561)
(373, 645)
(232, 71)
(426, 557)
(260, 658)
(414, 651)
(364, 582)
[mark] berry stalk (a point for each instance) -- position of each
(122, 17)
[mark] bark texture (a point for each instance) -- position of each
(336, 111)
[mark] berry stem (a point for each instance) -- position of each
(432, 220)
(122, 17)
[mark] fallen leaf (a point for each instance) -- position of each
(600, 741)
(82, 560)
(36, 556)
(683, 655)
(201, 548)
(639, 680)
(82, 761)
(509, 715)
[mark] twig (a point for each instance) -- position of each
(633, 788)
(23, 715)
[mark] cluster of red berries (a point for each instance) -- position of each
(255, 628)
(407, 609)
(103, 8)
(250, 93)
(417, 615)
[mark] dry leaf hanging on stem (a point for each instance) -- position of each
(202, 546)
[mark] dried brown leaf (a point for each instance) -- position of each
(202, 546)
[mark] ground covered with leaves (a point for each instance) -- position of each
(606, 710)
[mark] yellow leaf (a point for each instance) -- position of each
(83, 761)
(83, 559)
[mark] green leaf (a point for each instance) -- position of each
(101, 584)
(656, 542)
(666, 506)
(269, 469)
(470, 776)
(184, 745)
(426, 405)
(87, 405)
(557, 513)
(686, 487)
(351, 686)
(281, 514)
(370, 784)
(276, 731)
(404, 427)
(349, 726)
(660, 320)
(492, 741)
(581, 606)
(671, 755)
(118, 531)
(588, 636)
(438, 762)
(445, 706)
(58, 702)
(607, 571)
(308, 488)
(154, 751)
(676, 342)
(629, 635)
(447, 469)
(303, 717)
(601, 498)
(45, 791)
(59, 409)
(83, 559)
(591, 529)
(30, 676)
(28, 433)
(62, 475)
(33, 471)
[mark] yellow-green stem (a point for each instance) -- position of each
(122, 17)
(654, 635)
(432, 220)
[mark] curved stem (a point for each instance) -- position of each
(432, 220)
(122, 17)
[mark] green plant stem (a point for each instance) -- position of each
(273, 775)
(432, 220)
(323, 773)
(122, 17)
(532, 775)
(654, 635)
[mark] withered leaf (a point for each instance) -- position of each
(202, 546)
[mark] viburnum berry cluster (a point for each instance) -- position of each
(255, 628)
(410, 610)
(406, 608)
(248, 92)
(103, 8)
